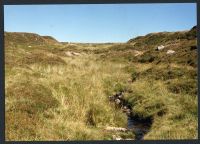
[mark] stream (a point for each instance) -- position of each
(138, 125)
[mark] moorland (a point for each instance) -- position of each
(59, 90)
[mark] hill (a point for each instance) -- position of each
(61, 91)
(145, 48)
(28, 39)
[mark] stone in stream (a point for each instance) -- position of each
(127, 109)
(118, 95)
(118, 101)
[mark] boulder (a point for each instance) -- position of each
(170, 52)
(160, 47)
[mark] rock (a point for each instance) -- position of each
(129, 139)
(170, 52)
(116, 96)
(160, 47)
(118, 101)
(69, 54)
(111, 98)
(29, 46)
(76, 54)
(116, 129)
(137, 53)
(118, 138)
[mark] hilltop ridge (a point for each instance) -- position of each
(28, 38)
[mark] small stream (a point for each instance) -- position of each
(138, 125)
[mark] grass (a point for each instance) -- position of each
(51, 96)
(73, 91)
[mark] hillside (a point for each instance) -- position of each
(143, 48)
(28, 39)
(61, 91)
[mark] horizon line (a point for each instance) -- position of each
(98, 42)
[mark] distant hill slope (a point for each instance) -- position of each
(140, 49)
(153, 39)
(28, 38)
(183, 44)
(144, 48)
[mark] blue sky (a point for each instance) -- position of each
(99, 23)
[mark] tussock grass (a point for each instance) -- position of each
(73, 92)
(173, 104)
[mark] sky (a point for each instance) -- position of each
(99, 22)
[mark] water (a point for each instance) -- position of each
(139, 126)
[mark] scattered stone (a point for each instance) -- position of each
(170, 52)
(70, 54)
(29, 46)
(137, 53)
(118, 138)
(76, 54)
(128, 139)
(116, 129)
(118, 101)
(160, 47)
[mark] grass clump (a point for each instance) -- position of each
(42, 58)
(34, 97)
(26, 102)
(146, 58)
(183, 86)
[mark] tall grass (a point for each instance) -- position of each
(77, 90)
(50, 96)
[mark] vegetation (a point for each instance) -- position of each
(54, 96)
